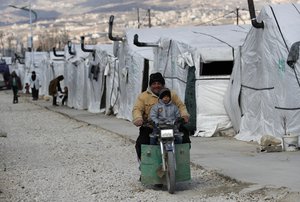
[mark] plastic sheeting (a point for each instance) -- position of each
(195, 45)
(77, 76)
(131, 60)
(264, 90)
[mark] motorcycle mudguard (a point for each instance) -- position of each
(151, 169)
(169, 146)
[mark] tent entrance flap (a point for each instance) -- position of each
(103, 98)
(145, 75)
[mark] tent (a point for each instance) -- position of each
(84, 72)
(263, 97)
(203, 54)
(40, 66)
(134, 64)
(76, 75)
(100, 83)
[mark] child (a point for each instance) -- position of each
(27, 88)
(65, 93)
(164, 112)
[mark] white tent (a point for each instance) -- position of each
(264, 91)
(55, 67)
(40, 65)
(133, 64)
(210, 51)
(98, 80)
(110, 63)
(84, 74)
(76, 76)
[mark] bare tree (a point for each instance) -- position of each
(52, 38)
(1, 41)
(10, 39)
(63, 38)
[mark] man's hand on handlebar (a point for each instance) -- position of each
(186, 119)
(138, 122)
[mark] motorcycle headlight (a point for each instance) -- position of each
(166, 133)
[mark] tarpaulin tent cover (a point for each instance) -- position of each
(263, 97)
(188, 47)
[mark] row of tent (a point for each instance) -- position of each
(228, 75)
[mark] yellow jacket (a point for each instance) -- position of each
(147, 99)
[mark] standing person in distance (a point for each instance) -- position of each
(54, 87)
(16, 85)
(143, 105)
(34, 85)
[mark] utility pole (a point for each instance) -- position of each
(237, 15)
(138, 17)
(31, 37)
(149, 18)
(31, 31)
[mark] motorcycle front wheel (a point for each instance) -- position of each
(171, 172)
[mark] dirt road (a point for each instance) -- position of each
(49, 157)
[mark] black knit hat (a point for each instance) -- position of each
(60, 77)
(163, 92)
(156, 77)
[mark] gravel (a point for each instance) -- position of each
(46, 156)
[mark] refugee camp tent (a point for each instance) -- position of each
(134, 66)
(84, 76)
(38, 62)
(263, 97)
(205, 56)
(100, 84)
(55, 67)
(76, 76)
(110, 64)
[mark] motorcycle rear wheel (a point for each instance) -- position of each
(171, 182)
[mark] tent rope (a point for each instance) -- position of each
(170, 43)
(279, 29)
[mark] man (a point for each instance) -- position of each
(54, 87)
(16, 85)
(142, 107)
(34, 85)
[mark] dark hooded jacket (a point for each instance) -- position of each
(54, 85)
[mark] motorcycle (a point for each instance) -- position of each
(168, 160)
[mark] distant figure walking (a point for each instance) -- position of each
(54, 87)
(34, 85)
(16, 85)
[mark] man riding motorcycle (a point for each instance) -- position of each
(143, 105)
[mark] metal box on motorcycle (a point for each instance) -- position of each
(151, 164)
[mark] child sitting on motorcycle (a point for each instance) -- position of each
(164, 112)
